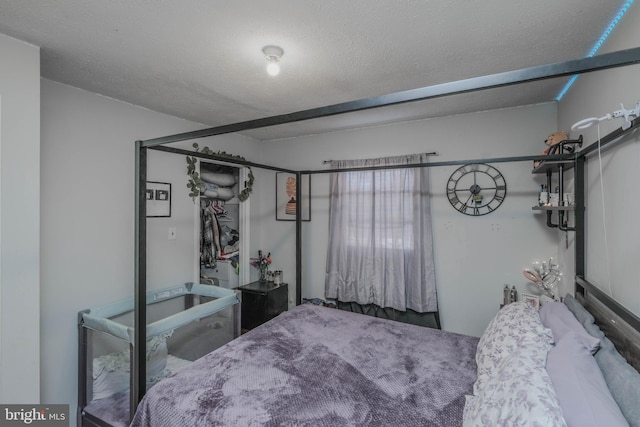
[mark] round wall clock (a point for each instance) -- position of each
(476, 189)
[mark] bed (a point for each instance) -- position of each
(320, 366)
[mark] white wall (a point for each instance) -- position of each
(475, 256)
(88, 217)
(594, 95)
(19, 222)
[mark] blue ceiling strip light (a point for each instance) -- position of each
(597, 46)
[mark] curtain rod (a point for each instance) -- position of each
(535, 157)
(432, 153)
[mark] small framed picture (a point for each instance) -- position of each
(534, 300)
(286, 197)
(158, 199)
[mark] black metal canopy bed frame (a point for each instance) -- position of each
(605, 308)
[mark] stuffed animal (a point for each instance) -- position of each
(552, 142)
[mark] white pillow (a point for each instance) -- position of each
(515, 328)
(519, 393)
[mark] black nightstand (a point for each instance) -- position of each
(262, 301)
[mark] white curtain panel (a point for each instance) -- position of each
(380, 244)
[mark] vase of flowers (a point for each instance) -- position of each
(262, 264)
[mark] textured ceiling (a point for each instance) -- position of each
(201, 59)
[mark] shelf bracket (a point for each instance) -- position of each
(550, 224)
(563, 224)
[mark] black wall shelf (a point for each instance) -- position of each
(549, 167)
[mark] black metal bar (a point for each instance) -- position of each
(83, 348)
(562, 224)
(533, 157)
(571, 143)
(612, 304)
(560, 183)
(188, 301)
(219, 158)
(542, 72)
(550, 223)
(139, 368)
(579, 218)
(299, 237)
(237, 315)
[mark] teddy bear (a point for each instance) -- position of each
(552, 142)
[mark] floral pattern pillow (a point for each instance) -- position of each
(515, 329)
(520, 393)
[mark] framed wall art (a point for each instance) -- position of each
(158, 199)
(286, 197)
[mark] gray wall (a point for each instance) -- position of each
(19, 222)
(475, 256)
(613, 227)
(87, 221)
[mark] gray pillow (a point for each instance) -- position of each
(594, 331)
(578, 310)
(623, 381)
(582, 391)
(557, 317)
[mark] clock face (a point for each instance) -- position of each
(476, 189)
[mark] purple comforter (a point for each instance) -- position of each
(318, 366)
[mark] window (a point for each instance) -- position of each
(380, 246)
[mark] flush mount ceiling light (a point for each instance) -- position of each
(273, 54)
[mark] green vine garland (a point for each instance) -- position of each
(195, 183)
